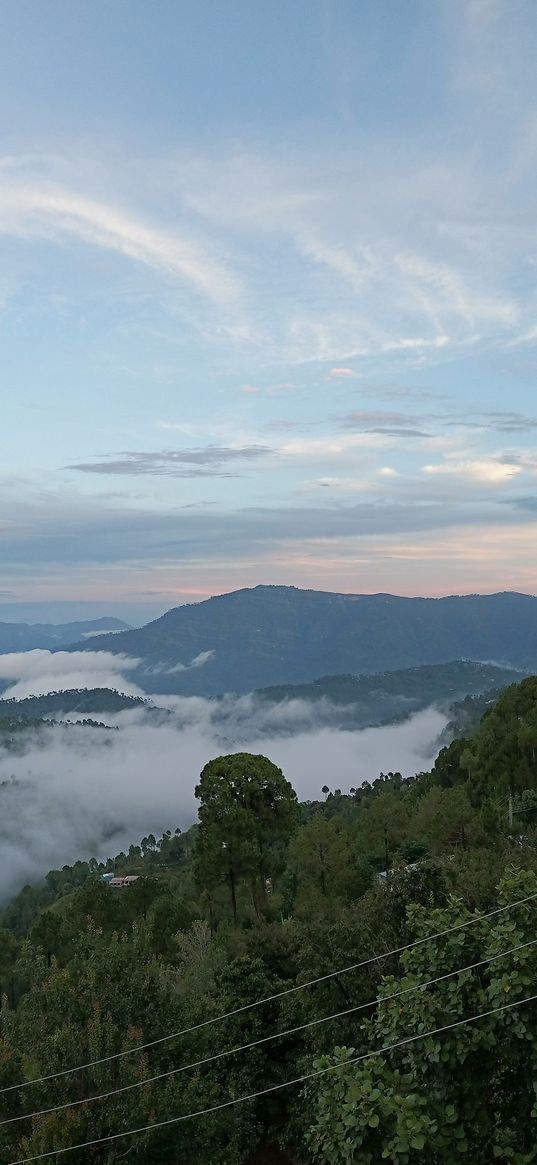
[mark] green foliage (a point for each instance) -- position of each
(264, 895)
(505, 747)
(247, 812)
(325, 866)
(462, 1091)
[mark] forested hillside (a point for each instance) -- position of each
(382, 698)
(351, 702)
(281, 635)
(248, 955)
(73, 700)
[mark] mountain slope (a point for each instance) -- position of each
(279, 635)
(28, 636)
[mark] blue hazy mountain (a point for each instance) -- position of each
(28, 636)
(271, 635)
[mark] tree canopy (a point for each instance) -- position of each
(260, 897)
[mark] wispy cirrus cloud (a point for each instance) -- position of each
(39, 208)
(391, 238)
(528, 337)
(396, 274)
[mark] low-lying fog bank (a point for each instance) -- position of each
(78, 791)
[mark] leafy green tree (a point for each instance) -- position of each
(465, 1091)
(491, 818)
(327, 868)
(449, 768)
(444, 818)
(47, 934)
(527, 736)
(166, 917)
(505, 744)
(198, 958)
(473, 874)
(467, 761)
(10, 1101)
(383, 826)
(526, 806)
(9, 949)
(248, 810)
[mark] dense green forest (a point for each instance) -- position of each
(264, 900)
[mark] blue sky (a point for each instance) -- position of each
(268, 296)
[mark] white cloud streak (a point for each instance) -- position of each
(393, 249)
(29, 210)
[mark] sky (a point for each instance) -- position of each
(268, 300)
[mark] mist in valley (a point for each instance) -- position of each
(74, 791)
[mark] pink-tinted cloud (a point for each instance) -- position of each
(343, 374)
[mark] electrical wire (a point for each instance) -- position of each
(270, 998)
(264, 1039)
(276, 1087)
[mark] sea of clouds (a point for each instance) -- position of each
(77, 791)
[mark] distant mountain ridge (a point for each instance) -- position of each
(271, 635)
(51, 636)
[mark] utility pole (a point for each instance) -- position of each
(386, 844)
(510, 810)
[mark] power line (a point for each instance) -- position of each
(270, 998)
(276, 1087)
(264, 1039)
